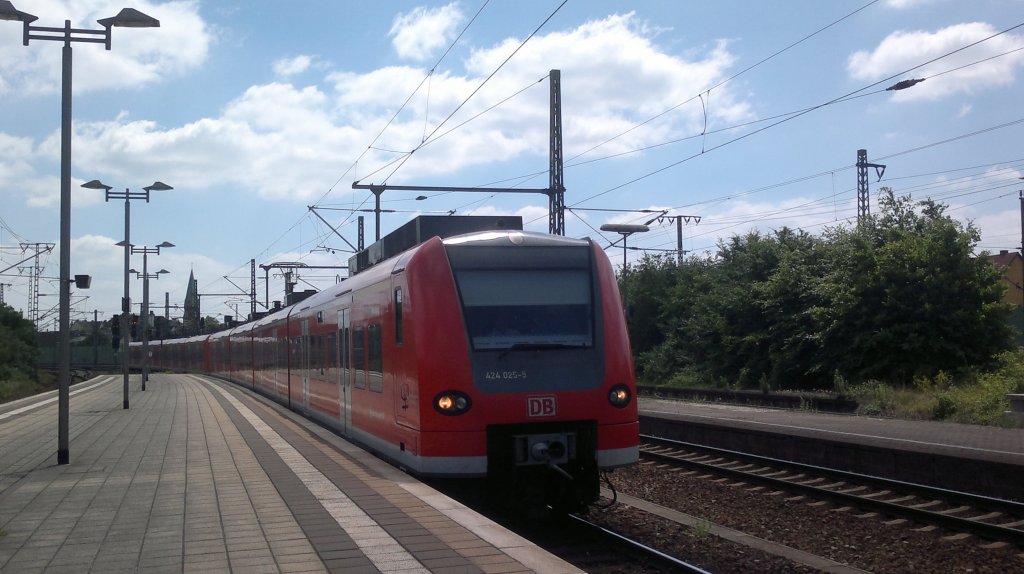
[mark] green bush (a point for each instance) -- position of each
(15, 385)
(982, 404)
(876, 398)
(840, 388)
(984, 401)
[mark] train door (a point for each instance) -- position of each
(403, 394)
(280, 359)
(305, 368)
(345, 370)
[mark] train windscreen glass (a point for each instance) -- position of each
(521, 309)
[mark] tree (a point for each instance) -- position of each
(896, 297)
(19, 353)
(909, 299)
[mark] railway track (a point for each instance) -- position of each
(573, 538)
(985, 517)
(596, 549)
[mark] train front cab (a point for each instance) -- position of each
(546, 396)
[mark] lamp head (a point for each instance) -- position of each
(158, 186)
(95, 184)
(166, 244)
(123, 243)
(624, 228)
(162, 271)
(130, 18)
(133, 271)
(9, 12)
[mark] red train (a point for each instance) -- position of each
(501, 354)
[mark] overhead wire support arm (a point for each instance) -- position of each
(556, 186)
(313, 209)
(381, 188)
(24, 260)
(241, 291)
(378, 189)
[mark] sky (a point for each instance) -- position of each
(741, 115)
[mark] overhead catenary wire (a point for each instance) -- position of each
(724, 81)
(426, 140)
(800, 114)
(476, 90)
(369, 146)
(848, 96)
(407, 100)
(714, 225)
(442, 134)
(571, 164)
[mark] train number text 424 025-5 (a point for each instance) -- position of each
(505, 375)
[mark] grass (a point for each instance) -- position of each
(701, 529)
(16, 385)
(878, 399)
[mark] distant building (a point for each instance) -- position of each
(1012, 267)
(1011, 264)
(191, 318)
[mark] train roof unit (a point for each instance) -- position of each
(423, 228)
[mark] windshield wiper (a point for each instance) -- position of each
(535, 347)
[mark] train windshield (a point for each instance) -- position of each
(524, 309)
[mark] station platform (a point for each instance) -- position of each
(199, 475)
(981, 459)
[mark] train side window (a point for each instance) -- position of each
(343, 340)
(321, 357)
(359, 356)
(398, 315)
(309, 363)
(376, 359)
(332, 352)
(282, 354)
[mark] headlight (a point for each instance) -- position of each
(452, 403)
(619, 396)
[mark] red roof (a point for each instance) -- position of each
(1004, 257)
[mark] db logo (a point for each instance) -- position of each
(540, 406)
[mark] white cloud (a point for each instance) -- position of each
(419, 34)
(17, 154)
(605, 64)
(291, 66)
(964, 111)
(903, 50)
(905, 4)
(284, 141)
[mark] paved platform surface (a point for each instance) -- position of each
(200, 476)
(988, 443)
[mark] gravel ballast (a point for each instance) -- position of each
(847, 537)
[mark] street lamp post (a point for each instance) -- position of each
(145, 251)
(625, 231)
(126, 302)
(127, 17)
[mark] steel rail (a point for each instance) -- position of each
(675, 563)
(982, 529)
